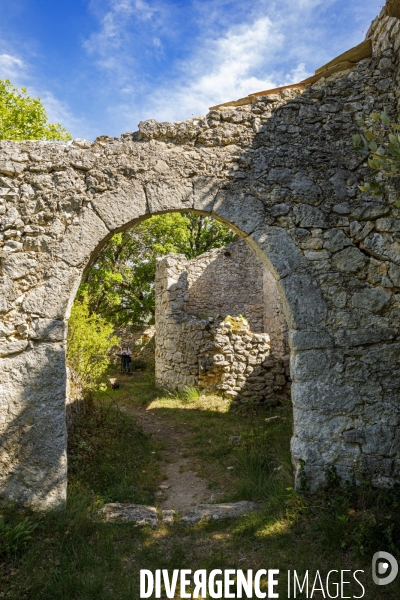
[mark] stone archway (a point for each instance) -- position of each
(282, 173)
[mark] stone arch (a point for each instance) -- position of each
(52, 300)
(280, 171)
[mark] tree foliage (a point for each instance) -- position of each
(120, 282)
(90, 338)
(380, 144)
(25, 118)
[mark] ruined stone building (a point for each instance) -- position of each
(279, 168)
(197, 345)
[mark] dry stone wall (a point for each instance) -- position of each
(282, 173)
(237, 363)
(197, 345)
(227, 281)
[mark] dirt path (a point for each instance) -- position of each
(182, 488)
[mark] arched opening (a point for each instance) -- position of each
(213, 314)
(49, 304)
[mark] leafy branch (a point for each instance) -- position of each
(380, 144)
(25, 118)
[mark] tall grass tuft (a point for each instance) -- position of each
(187, 394)
(14, 538)
(261, 474)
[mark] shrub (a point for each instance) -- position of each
(379, 142)
(90, 337)
(25, 118)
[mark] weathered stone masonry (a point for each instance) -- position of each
(196, 345)
(226, 281)
(282, 173)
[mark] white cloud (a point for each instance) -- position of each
(113, 29)
(10, 67)
(297, 74)
(237, 49)
(228, 68)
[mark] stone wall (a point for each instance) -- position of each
(193, 297)
(274, 317)
(227, 281)
(282, 173)
(177, 333)
(237, 363)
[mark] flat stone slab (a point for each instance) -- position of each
(139, 514)
(218, 511)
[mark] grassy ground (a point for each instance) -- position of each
(71, 556)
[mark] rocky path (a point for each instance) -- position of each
(189, 438)
(182, 488)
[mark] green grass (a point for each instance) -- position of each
(72, 556)
(110, 457)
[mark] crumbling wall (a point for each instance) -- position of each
(237, 363)
(227, 281)
(176, 354)
(198, 343)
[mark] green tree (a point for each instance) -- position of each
(25, 118)
(90, 339)
(120, 282)
(379, 142)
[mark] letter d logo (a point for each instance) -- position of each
(380, 568)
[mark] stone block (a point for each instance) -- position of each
(328, 398)
(205, 190)
(354, 436)
(372, 299)
(372, 466)
(308, 340)
(82, 239)
(310, 216)
(364, 337)
(19, 265)
(378, 440)
(305, 307)
(276, 249)
(215, 512)
(309, 365)
(49, 330)
(12, 346)
(54, 297)
(121, 207)
(382, 246)
(137, 514)
(394, 274)
(242, 212)
(349, 260)
(166, 195)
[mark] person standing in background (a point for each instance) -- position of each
(126, 359)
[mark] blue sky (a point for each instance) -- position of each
(101, 66)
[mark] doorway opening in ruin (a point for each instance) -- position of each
(191, 300)
(203, 319)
